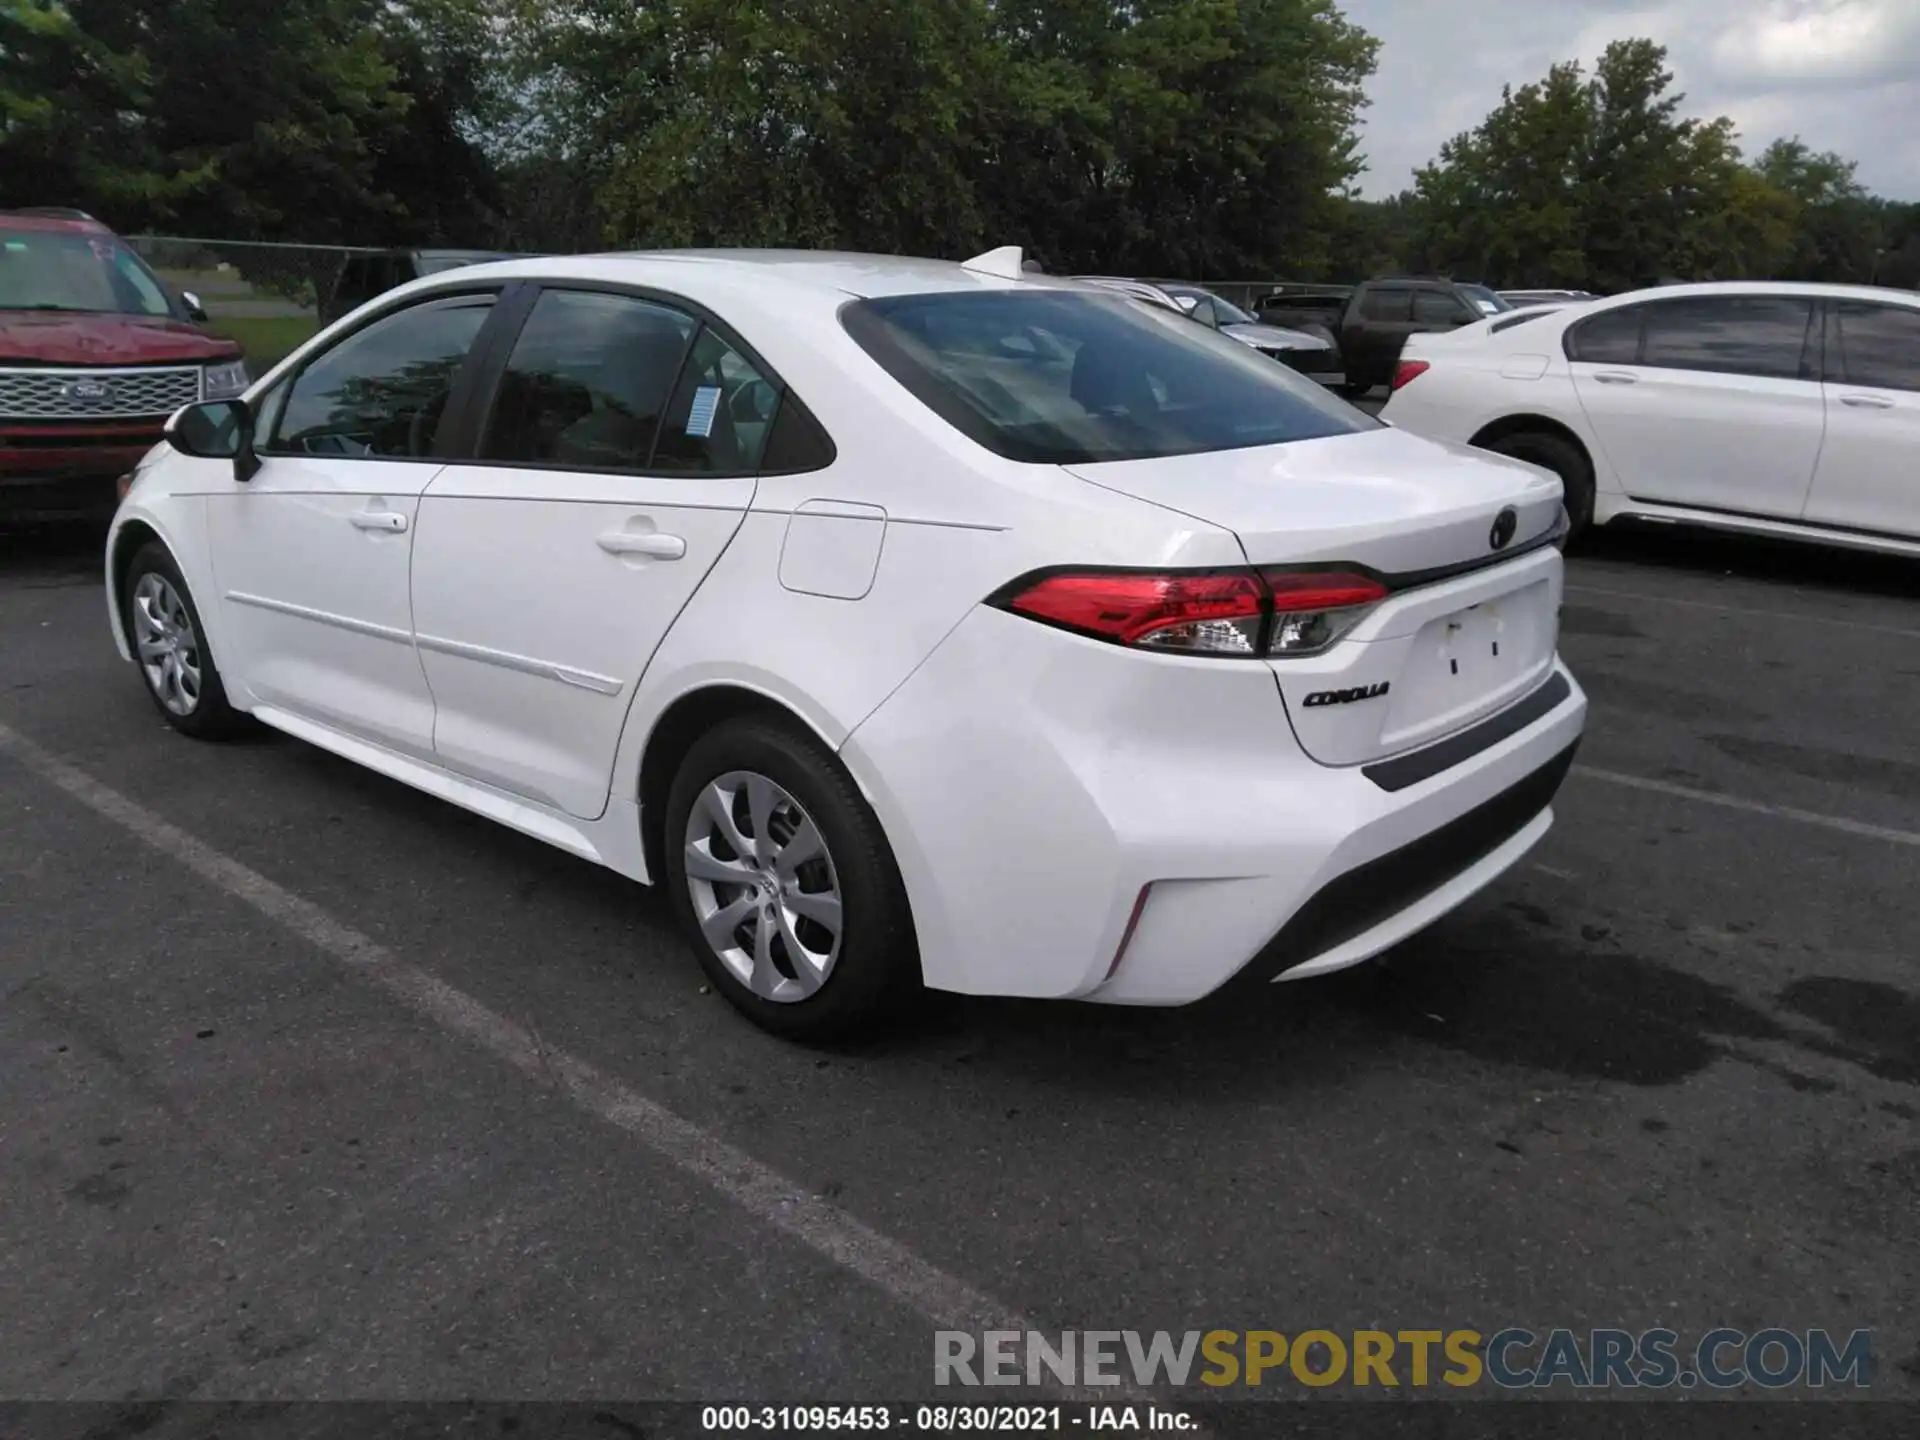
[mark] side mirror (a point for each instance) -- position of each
(216, 430)
(196, 312)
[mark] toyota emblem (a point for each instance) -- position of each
(1504, 524)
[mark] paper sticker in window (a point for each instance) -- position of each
(706, 402)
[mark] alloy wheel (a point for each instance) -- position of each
(763, 886)
(169, 649)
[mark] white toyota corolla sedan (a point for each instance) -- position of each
(914, 623)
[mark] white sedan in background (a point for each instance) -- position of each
(1775, 409)
(913, 623)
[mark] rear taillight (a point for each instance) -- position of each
(1408, 371)
(1217, 614)
(1224, 612)
(1313, 608)
(123, 485)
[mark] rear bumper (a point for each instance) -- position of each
(1376, 904)
(1037, 785)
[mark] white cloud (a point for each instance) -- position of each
(1842, 74)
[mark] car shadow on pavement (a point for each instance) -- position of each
(1684, 550)
(60, 552)
(1491, 982)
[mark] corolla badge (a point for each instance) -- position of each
(1504, 524)
(88, 392)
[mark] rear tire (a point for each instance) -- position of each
(771, 850)
(1563, 457)
(169, 644)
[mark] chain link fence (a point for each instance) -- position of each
(266, 295)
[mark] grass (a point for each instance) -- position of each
(267, 341)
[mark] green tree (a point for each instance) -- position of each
(1599, 182)
(1837, 225)
(1194, 136)
(304, 119)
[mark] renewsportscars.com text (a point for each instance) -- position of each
(1513, 1358)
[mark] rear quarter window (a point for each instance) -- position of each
(1609, 338)
(1062, 378)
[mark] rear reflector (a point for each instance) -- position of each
(1224, 612)
(1408, 371)
(122, 485)
(1126, 936)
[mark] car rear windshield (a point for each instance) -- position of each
(75, 270)
(1058, 378)
(1483, 299)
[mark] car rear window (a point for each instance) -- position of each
(1059, 378)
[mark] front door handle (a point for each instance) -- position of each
(1616, 377)
(650, 543)
(1867, 402)
(386, 522)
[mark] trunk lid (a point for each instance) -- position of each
(1456, 640)
(1393, 502)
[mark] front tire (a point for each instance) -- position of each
(785, 885)
(1563, 457)
(168, 641)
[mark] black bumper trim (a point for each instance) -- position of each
(1367, 895)
(1410, 769)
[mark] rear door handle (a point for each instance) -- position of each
(649, 543)
(1616, 377)
(1867, 402)
(387, 522)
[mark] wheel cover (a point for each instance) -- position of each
(763, 885)
(169, 650)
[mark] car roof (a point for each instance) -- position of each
(73, 222)
(849, 272)
(1807, 288)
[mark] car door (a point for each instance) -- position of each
(615, 462)
(1709, 401)
(1869, 475)
(311, 555)
(1382, 317)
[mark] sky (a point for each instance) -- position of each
(1842, 74)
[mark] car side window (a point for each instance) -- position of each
(588, 380)
(1386, 304)
(1610, 338)
(1436, 307)
(721, 412)
(1760, 335)
(381, 392)
(1879, 345)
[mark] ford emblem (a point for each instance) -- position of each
(88, 392)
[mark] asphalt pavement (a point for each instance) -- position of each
(314, 1087)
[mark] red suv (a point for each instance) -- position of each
(95, 353)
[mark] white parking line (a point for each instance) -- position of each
(1860, 625)
(1751, 807)
(947, 1302)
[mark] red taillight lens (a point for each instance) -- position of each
(1408, 371)
(1241, 612)
(123, 485)
(1217, 614)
